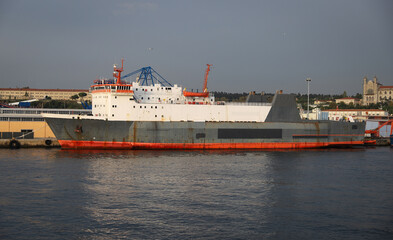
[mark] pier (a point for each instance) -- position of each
(29, 143)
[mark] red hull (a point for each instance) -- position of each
(70, 144)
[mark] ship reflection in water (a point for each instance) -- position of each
(317, 194)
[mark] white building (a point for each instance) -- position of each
(348, 100)
(357, 114)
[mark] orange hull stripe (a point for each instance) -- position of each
(67, 144)
(324, 135)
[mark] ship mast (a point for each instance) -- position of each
(117, 72)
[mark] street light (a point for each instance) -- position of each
(308, 80)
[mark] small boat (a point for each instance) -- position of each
(370, 142)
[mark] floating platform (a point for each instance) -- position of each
(377, 142)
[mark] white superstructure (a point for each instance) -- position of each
(133, 102)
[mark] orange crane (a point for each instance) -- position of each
(204, 92)
(206, 75)
(375, 132)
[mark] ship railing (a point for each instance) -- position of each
(243, 103)
(33, 111)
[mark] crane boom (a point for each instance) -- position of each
(206, 75)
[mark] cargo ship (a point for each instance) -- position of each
(150, 113)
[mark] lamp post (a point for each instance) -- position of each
(308, 80)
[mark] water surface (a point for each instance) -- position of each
(313, 194)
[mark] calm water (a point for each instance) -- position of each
(314, 194)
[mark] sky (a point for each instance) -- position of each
(262, 45)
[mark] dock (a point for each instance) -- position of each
(29, 143)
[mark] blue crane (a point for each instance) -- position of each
(146, 77)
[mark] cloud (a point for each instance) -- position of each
(132, 7)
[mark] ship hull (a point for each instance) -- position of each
(103, 134)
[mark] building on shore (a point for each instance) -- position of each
(27, 123)
(374, 92)
(348, 100)
(314, 114)
(356, 114)
(322, 103)
(340, 114)
(32, 93)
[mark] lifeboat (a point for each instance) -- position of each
(195, 94)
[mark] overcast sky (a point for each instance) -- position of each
(253, 45)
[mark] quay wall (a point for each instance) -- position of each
(40, 129)
(29, 143)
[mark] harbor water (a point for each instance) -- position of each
(307, 194)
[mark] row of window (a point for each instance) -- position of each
(145, 90)
(154, 115)
(38, 94)
(385, 98)
(112, 87)
(150, 107)
(38, 111)
(24, 119)
(124, 88)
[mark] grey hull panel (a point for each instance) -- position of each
(202, 134)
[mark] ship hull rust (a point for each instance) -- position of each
(102, 134)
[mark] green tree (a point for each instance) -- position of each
(342, 105)
(332, 105)
(358, 96)
(82, 94)
(74, 97)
